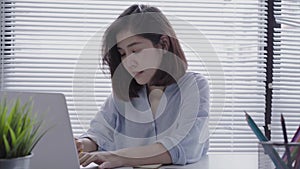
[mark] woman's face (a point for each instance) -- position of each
(139, 57)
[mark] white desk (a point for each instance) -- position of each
(222, 161)
(217, 161)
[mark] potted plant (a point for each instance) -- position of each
(20, 130)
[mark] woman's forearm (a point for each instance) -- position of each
(144, 155)
(88, 145)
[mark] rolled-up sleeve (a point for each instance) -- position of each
(102, 126)
(190, 139)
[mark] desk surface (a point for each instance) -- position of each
(219, 161)
(222, 161)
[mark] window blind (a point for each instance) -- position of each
(2, 15)
(286, 73)
(53, 46)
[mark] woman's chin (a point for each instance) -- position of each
(141, 82)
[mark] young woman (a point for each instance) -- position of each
(157, 112)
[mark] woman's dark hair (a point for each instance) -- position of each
(150, 23)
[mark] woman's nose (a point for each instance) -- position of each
(132, 62)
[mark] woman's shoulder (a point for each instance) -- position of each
(195, 74)
(192, 78)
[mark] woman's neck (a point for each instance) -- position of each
(154, 95)
(151, 88)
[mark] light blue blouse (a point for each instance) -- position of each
(180, 123)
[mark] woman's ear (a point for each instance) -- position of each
(164, 42)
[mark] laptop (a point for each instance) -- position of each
(56, 150)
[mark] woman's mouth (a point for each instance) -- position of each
(137, 73)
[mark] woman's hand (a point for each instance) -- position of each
(127, 157)
(85, 145)
(103, 158)
(79, 145)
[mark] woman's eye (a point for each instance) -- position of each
(136, 51)
(122, 55)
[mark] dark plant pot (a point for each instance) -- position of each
(16, 163)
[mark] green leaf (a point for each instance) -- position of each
(6, 144)
(12, 136)
(38, 138)
(20, 129)
(2, 119)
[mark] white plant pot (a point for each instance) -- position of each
(16, 163)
